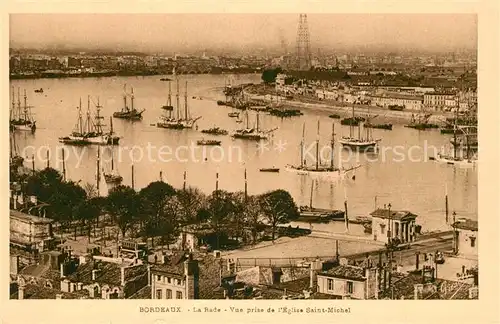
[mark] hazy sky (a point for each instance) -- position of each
(177, 32)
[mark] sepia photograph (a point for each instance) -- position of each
(272, 156)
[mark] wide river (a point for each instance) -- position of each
(399, 174)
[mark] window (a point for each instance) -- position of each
(330, 284)
(350, 287)
(178, 295)
(178, 282)
(472, 241)
(158, 278)
(169, 280)
(168, 294)
(159, 294)
(382, 228)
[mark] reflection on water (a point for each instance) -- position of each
(416, 186)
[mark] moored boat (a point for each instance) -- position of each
(208, 142)
(127, 112)
(215, 131)
(21, 118)
(273, 169)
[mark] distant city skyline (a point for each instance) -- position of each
(179, 33)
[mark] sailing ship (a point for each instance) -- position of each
(215, 131)
(318, 170)
(178, 122)
(312, 214)
(127, 112)
(365, 143)
(421, 122)
(251, 133)
(466, 158)
(21, 118)
(208, 142)
(90, 131)
(368, 123)
(168, 107)
(112, 177)
(15, 160)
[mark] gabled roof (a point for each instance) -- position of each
(29, 218)
(395, 214)
(345, 272)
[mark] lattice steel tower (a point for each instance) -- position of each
(303, 45)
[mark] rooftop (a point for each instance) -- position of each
(28, 218)
(404, 288)
(345, 272)
(467, 224)
(395, 215)
(32, 291)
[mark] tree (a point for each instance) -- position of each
(65, 196)
(153, 198)
(220, 207)
(252, 214)
(123, 205)
(279, 208)
(168, 221)
(191, 201)
(44, 183)
(86, 212)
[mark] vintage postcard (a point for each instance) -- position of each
(309, 159)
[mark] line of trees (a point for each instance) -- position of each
(161, 211)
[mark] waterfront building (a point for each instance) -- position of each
(466, 235)
(409, 102)
(175, 278)
(391, 224)
(30, 232)
(437, 100)
(349, 282)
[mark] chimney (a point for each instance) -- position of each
(122, 275)
(20, 292)
(192, 273)
(94, 274)
(82, 259)
(343, 261)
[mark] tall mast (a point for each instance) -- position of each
(247, 118)
(132, 98)
(12, 113)
(19, 112)
(317, 149)
(455, 129)
(302, 145)
(80, 121)
(125, 108)
(110, 125)
(257, 121)
(186, 102)
(177, 99)
(25, 106)
(88, 114)
(333, 145)
(170, 98)
(112, 160)
(351, 129)
(98, 176)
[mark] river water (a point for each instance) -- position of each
(398, 174)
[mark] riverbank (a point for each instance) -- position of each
(344, 110)
(104, 74)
